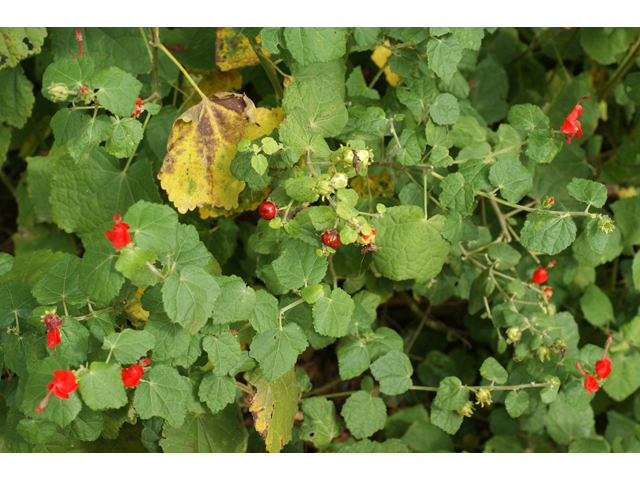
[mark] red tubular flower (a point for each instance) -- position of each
(145, 362)
(53, 338)
(131, 376)
(64, 382)
(83, 89)
(548, 292)
(571, 126)
(540, 275)
(591, 383)
(138, 107)
(79, 40)
(603, 367)
(119, 236)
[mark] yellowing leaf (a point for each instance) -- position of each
(626, 192)
(380, 185)
(380, 56)
(214, 81)
(266, 121)
(233, 50)
(274, 407)
(136, 314)
(249, 201)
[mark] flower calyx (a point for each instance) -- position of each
(467, 410)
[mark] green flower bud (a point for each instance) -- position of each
(347, 157)
(483, 396)
(340, 180)
(467, 410)
(58, 91)
(559, 346)
(323, 185)
(543, 351)
(514, 333)
(363, 155)
(605, 225)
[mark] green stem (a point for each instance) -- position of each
(489, 387)
(7, 183)
(620, 71)
(322, 388)
(155, 62)
(245, 388)
(378, 75)
(268, 68)
(179, 65)
(144, 127)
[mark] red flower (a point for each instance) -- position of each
(53, 338)
(63, 384)
(603, 367)
(138, 107)
(591, 383)
(83, 89)
(131, 376)
(571, 126)
(79, 40)
(548, 292)
(145, 362)
(119, 236)
(540, 275)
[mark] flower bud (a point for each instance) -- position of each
(548, 202)
(606, 225)
(543, 351)
(347, 157)
(467, 410)
(514, 333)
(339, 180)
(559, 346)
(363, 156)
(58, 91)
(323, 185)
(483, 396)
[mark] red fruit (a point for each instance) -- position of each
(367, 239)
(331, 238)
(540, 275)
(131, 376)
(267, 210)
(63, 384)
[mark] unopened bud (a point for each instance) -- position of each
(483, 396)
(340, 180)
(58, 91)
(514, 333)
(543, 351)
(606, 225)
(467, 410)
(347, 156)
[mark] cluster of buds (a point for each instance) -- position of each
(603, 369)
(327, 184)
(119, 236)
(53, 324)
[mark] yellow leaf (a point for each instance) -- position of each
(274, 407)
(626, 192)
(248, 201)
(233, 50)
(135, 313)
(214, 81)
(380, 56)
(381, 186)
(266, 121)
(195, 171)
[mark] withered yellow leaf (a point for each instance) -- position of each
(136, 314)
(215, 81)
(380, 185)
(274, 407)
(233, 50)
(380, 56)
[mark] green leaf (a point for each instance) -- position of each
(507, 257)
(298, 265)
(493, 371)
(417, 94)
(624, 378)
(457, 194)
(354, 358)
(117, 91)
(277, 350)
(98, 277)
(542, 147)
(549, 394)
(302, 189)
(604, 44)
(320, 103)
(190, 250)
(412, 144)
(274, 407)
(207, 433)
(548, 234)
(85, 204)
(312, 293)
(627, 216)
(566, 423)
(16, 303)
(223, 351)
(393, 371)
(320, 425)
(132, 264)
(596, 306)
(313, 44)
(451, 394)
(512, 178)
(469, 37)
(129, 346)
(6, 263)
(163, 394)
(457, 228)
(149, 223)
(298, 139)
(410, 247)
(527, 117)
(331, 315)
(444, 55)
(260, 164)
(444, 109)
(16, 97)
(587, 191)
(127, 133)
(171, 340)
(364, 414)
(74, 344)
(189, 297)
(60, 283)
(36, 431)
(73, 72)
(59, 411)
(590, 445)
(466, 132)
(236, 301)
(92, 131)
(357, 87)
(19, 43)
(102, 388)
(264, 316)
(217, 391)
(86, 427)
(517, 402)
